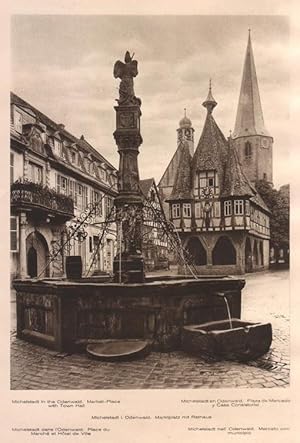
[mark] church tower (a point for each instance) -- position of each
(251, 139)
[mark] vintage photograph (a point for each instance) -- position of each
(149, 202)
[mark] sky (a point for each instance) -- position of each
(63, 66)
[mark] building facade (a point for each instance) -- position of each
(55, 177)
(222, 221)
(155, 240)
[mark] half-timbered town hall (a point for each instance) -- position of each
(209, 192)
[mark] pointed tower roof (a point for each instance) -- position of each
(211, 151)
(182, 189)
(235, 182)
(210, 103)
(249, 118)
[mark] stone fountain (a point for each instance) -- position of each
(70, 315)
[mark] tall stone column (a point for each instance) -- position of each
(22, 245)
(128, 265)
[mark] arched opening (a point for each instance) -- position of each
(248, 150)
(261, 253)
(196, 251)
(255, 254)
(248, 256)
(37, 255)
(32, 262)
(224, 252)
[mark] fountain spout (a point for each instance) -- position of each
(223, 295)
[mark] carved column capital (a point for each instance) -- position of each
(128, 140)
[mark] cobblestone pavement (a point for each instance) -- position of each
(265, 298)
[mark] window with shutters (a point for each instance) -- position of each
(96, 198)
(108, 205)
(79, 195)
(64, 185)
(14, 234)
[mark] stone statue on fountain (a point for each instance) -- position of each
(128, 264)
(126, 71)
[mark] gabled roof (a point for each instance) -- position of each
(249, 118)
(56, 127)
(145, 186)
(168, 178)
(235, 182)
(257, 199)
(182, 189)
(211, 152)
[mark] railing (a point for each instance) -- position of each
(36, 195)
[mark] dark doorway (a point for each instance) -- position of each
(197, 252)
(224, 252)
(32, 262)
(261, 251)
(248, 256)
(37, 255)
(255, 254)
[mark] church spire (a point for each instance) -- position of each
(249, 118)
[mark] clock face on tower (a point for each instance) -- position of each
(207, 192)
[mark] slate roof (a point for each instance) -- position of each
(249, 118)
(145, 186)
(212, 149)
(235, 181)
(182, 189)
(213, 152)
(56, 127)
(257, 199)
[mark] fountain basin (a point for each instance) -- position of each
(245, 341)
(67, 315)
(113, 350)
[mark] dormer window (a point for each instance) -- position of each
(73, 157)
(152, 196)
(103, 174)
(57, 147)
(18, 121)
(208, 183)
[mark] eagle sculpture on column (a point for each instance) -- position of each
(126, 71)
